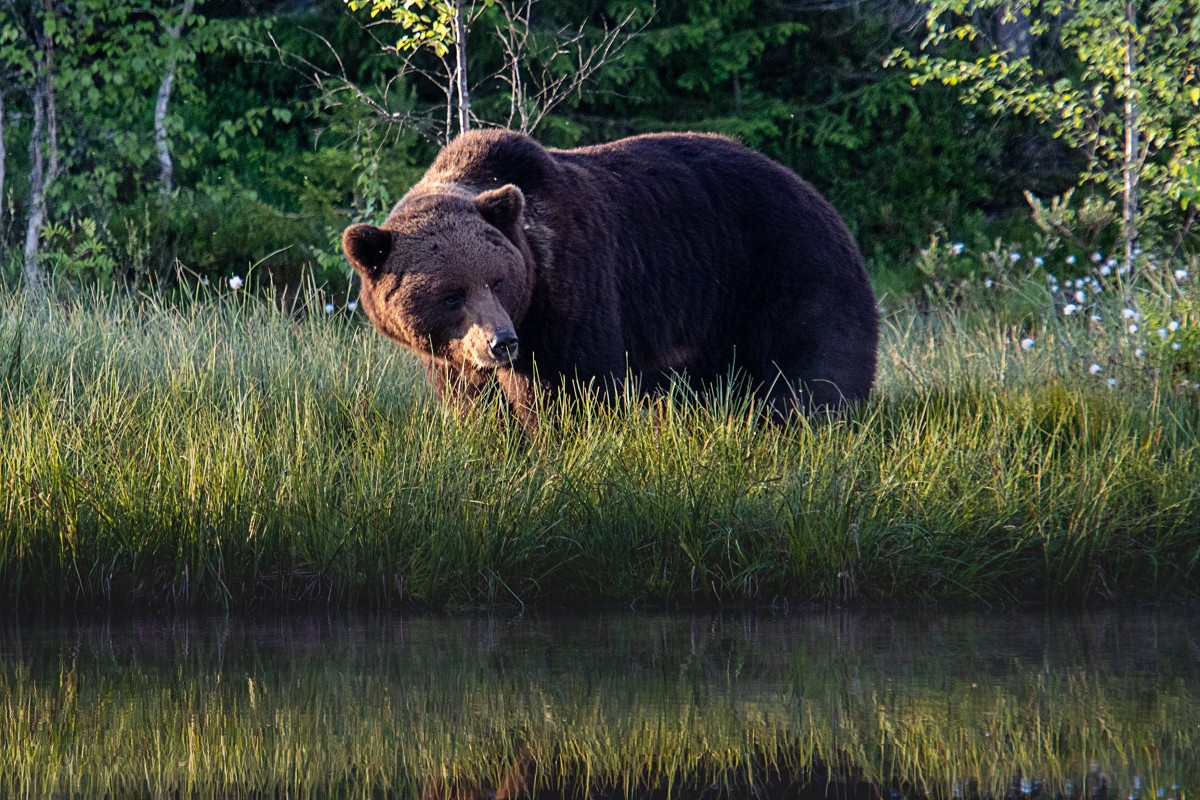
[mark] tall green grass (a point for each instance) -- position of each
(221, 452)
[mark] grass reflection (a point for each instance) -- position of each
(626, 707)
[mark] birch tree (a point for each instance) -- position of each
(440, 28)
(173, 24)
(31, 35)
(1117, 80)
(40, 44)
(540, 70)
(89, 73)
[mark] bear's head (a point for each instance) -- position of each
(449, 274)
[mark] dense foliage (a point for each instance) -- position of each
(285, 121)
(1115, 80)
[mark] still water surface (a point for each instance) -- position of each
(964, 705)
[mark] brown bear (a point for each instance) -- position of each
(654, 256)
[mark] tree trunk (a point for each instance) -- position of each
(1130, 168)
(44, 164)
(166, 180)
(166, 169)
(460, 68)
(3, 157)
(34, 279)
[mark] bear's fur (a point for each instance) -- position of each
(656, 256)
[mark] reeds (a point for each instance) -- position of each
(220, 452)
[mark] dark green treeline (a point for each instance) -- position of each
(287, 120)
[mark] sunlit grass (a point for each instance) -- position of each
(219, 451)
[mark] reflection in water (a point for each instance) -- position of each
(612, 706)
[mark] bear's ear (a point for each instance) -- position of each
(367, 247)
(501, 207)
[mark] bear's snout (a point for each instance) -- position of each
(490, 346)
(504, 345)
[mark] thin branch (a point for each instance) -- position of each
(534, 97)
(331, 84)
(461, 79)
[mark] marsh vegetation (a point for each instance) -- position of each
(214, 451)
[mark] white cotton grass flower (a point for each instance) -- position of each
(1097, 257)
(1095, 369)
(1112, 382)
(988, 283)
(1162, 333)
(1140, 353)
(1128, 313)
(1080, 297)
(1133, 328)
(1173, 325)
(1027, 343)
(1095, 317)
(1038, 261)
(235, 282)
(1181, 275)
(204, 280)
(1106, 270)
(1050, 278)
(1175, 345)
(957, 248)
(352, 306)
(1014, 257)
(1071, 259)
(1069, 309)
(330, 308)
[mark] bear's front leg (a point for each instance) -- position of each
(523, 393)
(458, 386)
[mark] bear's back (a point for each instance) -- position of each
(487, 158)
(697, 161)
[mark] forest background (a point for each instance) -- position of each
(144, 140)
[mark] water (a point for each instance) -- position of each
(808, 705)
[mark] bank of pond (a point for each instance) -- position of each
(222, 454)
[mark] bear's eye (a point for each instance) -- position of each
(496, 283)
(454, 301)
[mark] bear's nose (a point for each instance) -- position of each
(504, 345)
